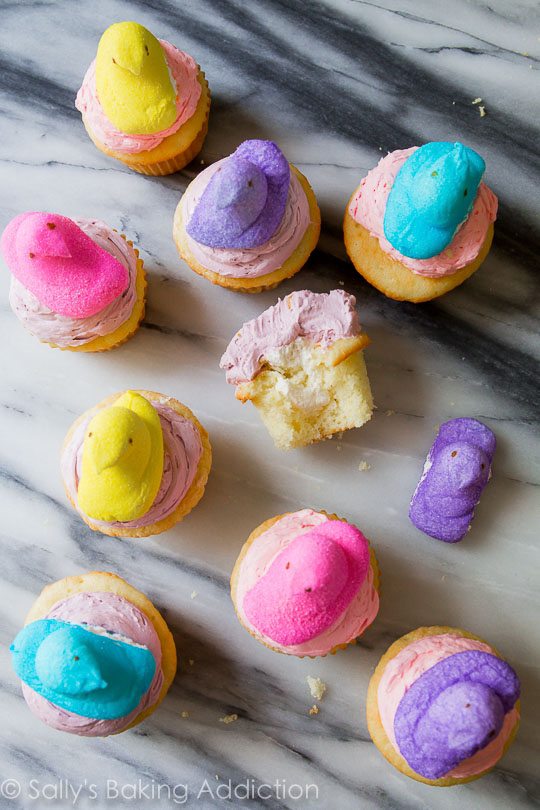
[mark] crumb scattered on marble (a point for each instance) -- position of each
(185, 715)
(341, 283)
(363, 466)
(476, 100)
(229, 718)
(454, 103)
(217, 777)
(338, 447)
(340, 435)
(316, 687)
(389, 412)
(482, 110)
(314, 709)
(191, 661)
(194, 594)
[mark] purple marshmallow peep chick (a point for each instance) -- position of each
(244, 202)
(453, 710)
(457, 469)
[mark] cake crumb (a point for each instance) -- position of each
(314, 709)
(476, 101)
(340, 435)
(389, 412)
(316, 687)
(229, 718)
(363, 466)
(194, 594)
(191, 661)
(482, 111)
(341, 283)
(338, 448)
(185, 715)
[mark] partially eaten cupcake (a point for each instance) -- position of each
(136, 464)
(306, 583)
(301, 364)
(248, 221)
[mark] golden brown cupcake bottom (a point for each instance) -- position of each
(390, 276)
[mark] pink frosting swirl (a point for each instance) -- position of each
(63, 331)
(249, 262)
(408, 665)
(103, 612)
(322, 318)
(368, 206)
(351, 623)
(183, 450)
(184, 72)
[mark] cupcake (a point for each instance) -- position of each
(248, 221)
(457, 469)
(143, 101)
(135, 464)
(95, 657)
(301, 364)
(306, 583)
(443, 706)
(75, 284)
(421, 222)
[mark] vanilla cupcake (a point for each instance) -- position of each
(443, 706)
(95, 657)
(75, 284)
(248, 221)
(144, 102)
(421, 222)
(306, 583)
(301, 364)
(135, 464)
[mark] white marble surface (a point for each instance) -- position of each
(336, 83)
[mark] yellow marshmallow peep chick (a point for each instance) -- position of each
(133, 81)
(122, 460)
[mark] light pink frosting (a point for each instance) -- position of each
(183, 449)
(408, 665)
(108, 612)
(64, 331)
(249, 262)
(359, 614)
(368, 206)
(323, 318)
(183, 70)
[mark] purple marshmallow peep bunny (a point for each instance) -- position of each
(457, 469)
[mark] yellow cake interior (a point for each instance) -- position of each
(308, 392)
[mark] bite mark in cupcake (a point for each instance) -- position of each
(300, 362)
